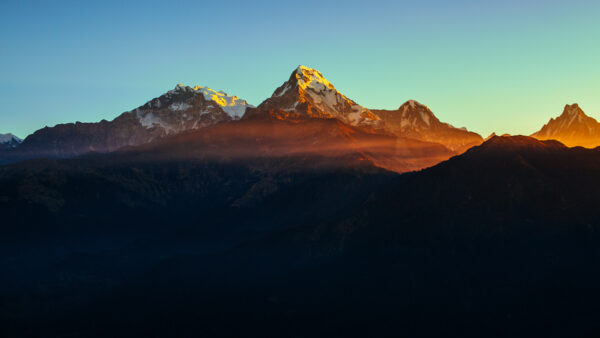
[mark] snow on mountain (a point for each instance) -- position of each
(180, 109)
(308, 94)
(412, 116)
(232, 105)
(573, 128)
(415, 120)
(186, 107)
(9, 140)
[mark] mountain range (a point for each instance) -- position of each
(183, 108)
(405, 140)
(306, 95)
(197, 214)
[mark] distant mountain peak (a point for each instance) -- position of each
(417, 111)
(573, 110)
(308, 94)
(232, 105)
(572, 106)
(178, 110)
(185, 107)
(573, 128)
(415, 120)
(9, 140)
(412, 104)
(304, 78)
(312, 78)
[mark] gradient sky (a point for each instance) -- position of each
(503, 66)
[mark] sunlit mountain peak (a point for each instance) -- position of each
(311, 78)
(232, 105)
(573, 110)
(573, 128)
(308, 94)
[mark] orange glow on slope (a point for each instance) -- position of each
(331, 140)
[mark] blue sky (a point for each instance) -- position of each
(503, 66)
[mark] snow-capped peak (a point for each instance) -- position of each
(232, 105)
(413, 111)
(308, 94)
(312, 78)
(10, 140)
(184, 108)
(323, 96)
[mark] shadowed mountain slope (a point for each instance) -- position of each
(183, 108)
(417, 121)
(499, 241)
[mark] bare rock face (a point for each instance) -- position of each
(417, 121)
(307, 94)
(183, 108)
(573, 128)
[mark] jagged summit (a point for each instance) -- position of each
(574, 113)
(185, 107)
(573, 128)
(308, 94)
(309, 77)
(232, 105)
(415, 120)
(572, 109)
(304, 78)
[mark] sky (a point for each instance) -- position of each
(491, 66)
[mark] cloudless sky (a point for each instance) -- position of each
(503, 66)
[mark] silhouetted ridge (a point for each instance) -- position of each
(518, 142)
(511, 153)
